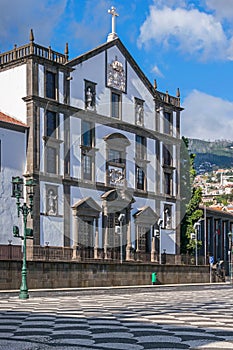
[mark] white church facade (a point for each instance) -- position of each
(103, 144)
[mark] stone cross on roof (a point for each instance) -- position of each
(114, 14)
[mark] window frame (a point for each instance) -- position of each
(48, 162)
(168, 122)
(88, 150)
(87, 175)
(140, 162)
(140, 147)
(168, 183)
(91, 134)
(54, 88)
(167, 155)
(113, 104)
(140, 185)
(55, 133)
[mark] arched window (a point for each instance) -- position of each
(116, 145)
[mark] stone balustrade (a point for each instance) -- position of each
(32, 49)
(166, 98)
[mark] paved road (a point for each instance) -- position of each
(132, 319)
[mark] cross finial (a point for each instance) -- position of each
(114, 14)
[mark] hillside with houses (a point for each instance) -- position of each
(211, 155)
(213, 164)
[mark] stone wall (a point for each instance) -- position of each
(101, 274)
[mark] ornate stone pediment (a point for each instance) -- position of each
(116, 77)
(146, 215)
(118, 199)
(86, 206)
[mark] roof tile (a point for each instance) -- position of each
(10, 120)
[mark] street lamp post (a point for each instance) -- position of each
(17, 192)
(196, 228)
(160, 223)
(230, 235)
(121, 219)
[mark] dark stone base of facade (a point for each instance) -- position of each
(101, 274)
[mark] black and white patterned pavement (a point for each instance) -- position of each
(158, 318)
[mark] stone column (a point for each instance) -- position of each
(96, 238)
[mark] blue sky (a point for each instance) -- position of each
(180, 43)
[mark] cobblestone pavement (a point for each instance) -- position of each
(162, 318)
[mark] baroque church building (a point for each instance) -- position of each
(104, 146)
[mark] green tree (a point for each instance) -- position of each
(190, 199)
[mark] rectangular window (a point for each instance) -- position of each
(168, 183)
(140, 147)
(50, 85)
(114, 156)
(87, 134)
(87, 167)
(88, 157)
(167, 123)
(51, 124)
(167, 157)
(116, 105)
(86, 233)
(51, 161)
(140, 178)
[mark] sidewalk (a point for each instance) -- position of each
(87, 290)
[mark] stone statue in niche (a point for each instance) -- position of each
(52, 203)
(89, 98)
(139, 113)
(168, 225)
(168, 219)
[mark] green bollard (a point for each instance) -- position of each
(154, 278)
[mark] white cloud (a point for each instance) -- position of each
(170, 3)
(17, 17)
(207, 117)
(190, 31)
(223, 8)
(157, 71)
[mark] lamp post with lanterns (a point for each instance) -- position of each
(160, 223)
(26, 209)
(230, 236)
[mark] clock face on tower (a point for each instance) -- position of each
(116, 75)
